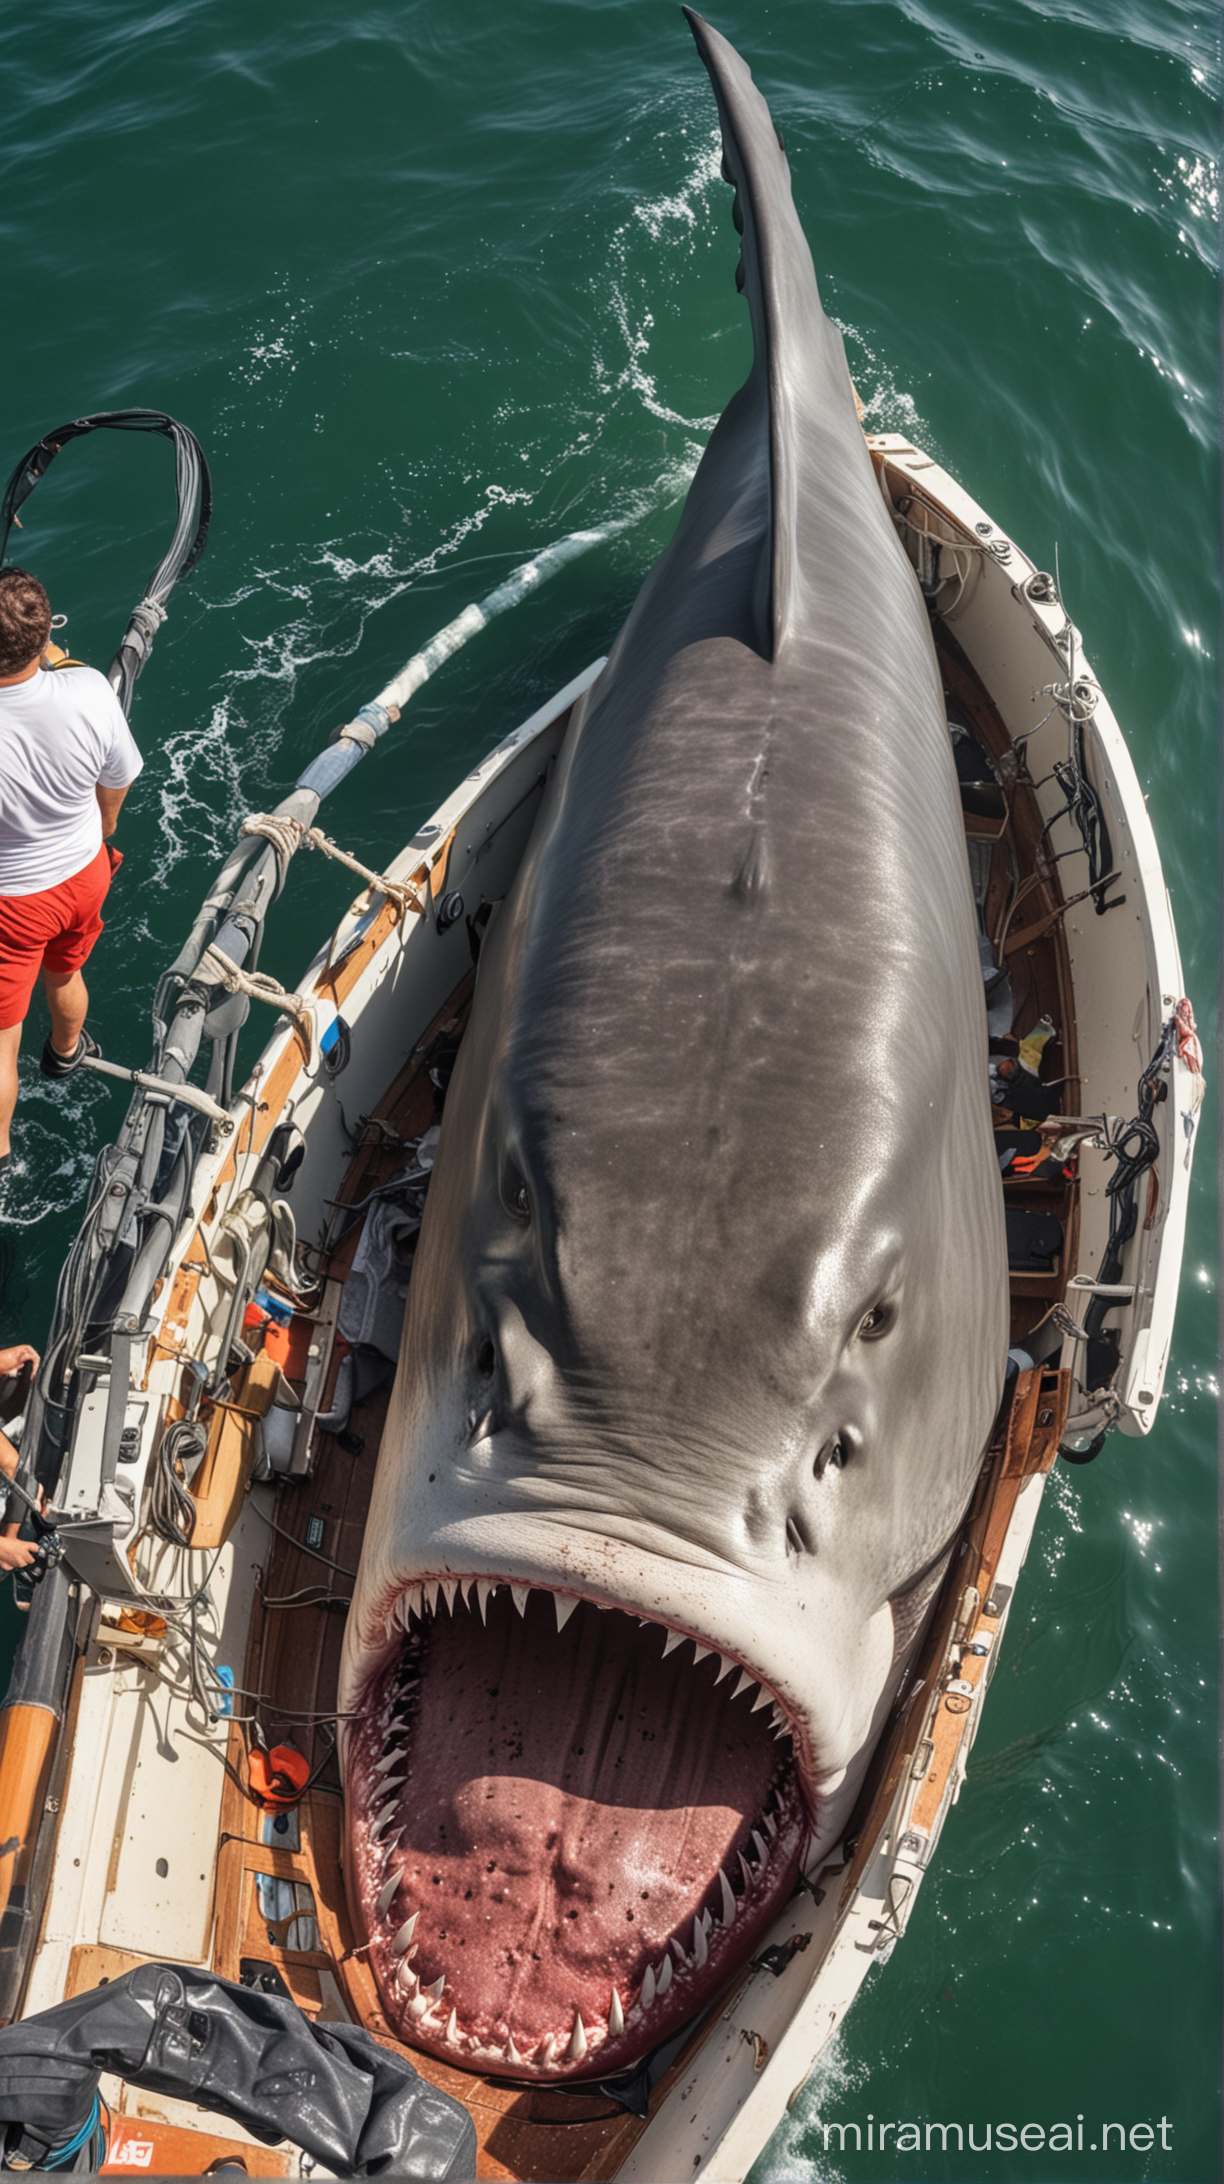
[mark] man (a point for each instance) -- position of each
(67, 760)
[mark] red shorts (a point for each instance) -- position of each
(54, 930)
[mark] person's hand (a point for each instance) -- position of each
(16, 1554)
(12, 1359)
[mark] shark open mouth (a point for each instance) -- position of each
(568, 1826)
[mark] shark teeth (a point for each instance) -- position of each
(405, 1935)
(577, 2048)
(417, 2005)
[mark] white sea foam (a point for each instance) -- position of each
(835, 2093)
(886, 406)
(674, 221)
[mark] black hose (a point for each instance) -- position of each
(193, 484)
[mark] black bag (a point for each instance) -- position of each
(251, 2056)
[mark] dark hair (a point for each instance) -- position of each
(25, 619)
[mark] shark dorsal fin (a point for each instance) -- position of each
(778, 279)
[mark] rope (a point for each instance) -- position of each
(261, 986)
(287, 834)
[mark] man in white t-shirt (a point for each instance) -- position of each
(67, 760)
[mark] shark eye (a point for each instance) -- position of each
(516, 1197)
(486, 1360)
(875, 1323)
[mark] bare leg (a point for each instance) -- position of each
(68, 1000)
(10, 1041)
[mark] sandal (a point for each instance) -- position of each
(62, 1065)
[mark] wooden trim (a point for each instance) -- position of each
(1026, 1442)
(27, 1748)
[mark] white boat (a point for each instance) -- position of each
(196, 1307)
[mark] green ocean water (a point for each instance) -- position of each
(437, 285)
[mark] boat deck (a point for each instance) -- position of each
(293, 1658)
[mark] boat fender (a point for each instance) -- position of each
(278, 1777)
(287, 1148)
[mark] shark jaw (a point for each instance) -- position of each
(568, 1825)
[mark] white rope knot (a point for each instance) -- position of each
(260, 986)
(287, 835)
(399, 892)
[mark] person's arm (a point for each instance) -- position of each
(110, 803)
(15, 1554)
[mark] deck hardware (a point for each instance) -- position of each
(922, 1758)
(160, 1092)
(760, 2048)
(776, 1958)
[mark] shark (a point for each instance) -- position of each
(707, 1327)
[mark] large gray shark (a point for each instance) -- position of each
(708, 1322)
